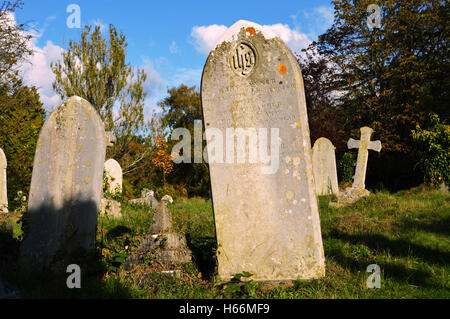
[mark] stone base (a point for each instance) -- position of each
(110, 208)
(147, 201)
(443, 188)
(3, 209)
(349, 196)
(167, 250)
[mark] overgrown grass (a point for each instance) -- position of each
(407, 234)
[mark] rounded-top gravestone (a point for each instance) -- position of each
(324, 165)
(114, 176)
(66, 184)
(265, 209)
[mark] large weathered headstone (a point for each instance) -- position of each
(66, 185)
(266, 215)
(324, 165)
(363, 145)
(113, 176)
(3, 189)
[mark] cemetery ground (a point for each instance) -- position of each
(406, 233)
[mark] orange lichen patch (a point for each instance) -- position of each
(250, 30)
(282, 69)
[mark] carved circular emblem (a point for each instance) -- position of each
(243, 59)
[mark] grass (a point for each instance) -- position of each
(407, 234)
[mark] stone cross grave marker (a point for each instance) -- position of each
(363, 145)
(3, 189)
(324, 165)
(114, 176)
(266, 213)
(66, 185)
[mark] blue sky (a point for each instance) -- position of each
(169, 39)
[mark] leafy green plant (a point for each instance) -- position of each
(167, 190)
(434, 147)
(346, 167)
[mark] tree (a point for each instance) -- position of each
(95, 69)
(162, 160)
(390, 78)
(21, 119)
(179, 110)
(324, 115)
(14, 42)
(434, 146)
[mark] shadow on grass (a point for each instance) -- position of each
(437, 226)
(117, 232)
(204, 253)
(398, 248)
(34, 283)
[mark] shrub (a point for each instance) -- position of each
(167, 190)
(346, 168)
(433, 148)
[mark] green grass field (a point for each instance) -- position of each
(407, 234)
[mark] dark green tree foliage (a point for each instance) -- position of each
(324, 116)
(179, 110)
(390, 78)
(21, 119)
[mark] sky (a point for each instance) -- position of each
(170, 40)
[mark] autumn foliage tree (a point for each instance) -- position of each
(162, 159)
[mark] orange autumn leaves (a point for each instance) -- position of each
(162, 160)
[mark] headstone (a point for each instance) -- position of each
(147, 198)
(110, 208)
(363, 145)
(266, 217)
(66, 185)
(3, 189)
(167, 199)
(324, 165)
(113, 176)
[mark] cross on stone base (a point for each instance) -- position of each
(364, 144)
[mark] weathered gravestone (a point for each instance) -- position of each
(3, 189)
(266, 215)
(66, 185)
(147, 198)
(324, 165)
(113, 176)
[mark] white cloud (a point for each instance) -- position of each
(206, 37)
(326, 13)
(36, 71)
(187, 76)
(294, 39)
(316, 21)
(174, 49)
(154, 82)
